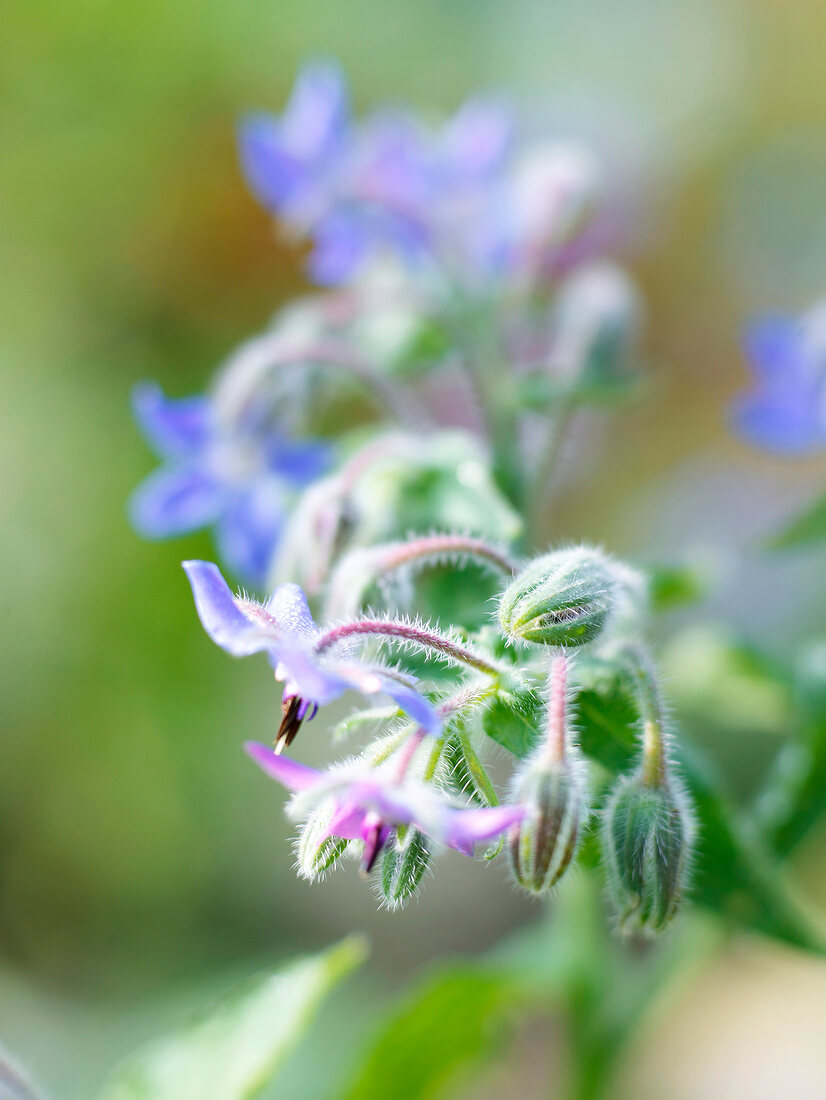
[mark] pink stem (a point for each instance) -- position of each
(427, 639)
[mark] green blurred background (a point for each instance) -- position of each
(142, 861)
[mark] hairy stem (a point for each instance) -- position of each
(408, 633)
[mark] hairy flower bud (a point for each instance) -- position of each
(316, 851)
(543, 845)
(647, 833)
(406, 858)
(564, 598)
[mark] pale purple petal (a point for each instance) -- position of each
(315, 120)
(347, 822)
(291, 774)
(175, 500)
(772, 346)
(273, 174)
(378, 681)
(248, 531)
(477, 138)
(463, 828)
(220, 615)
(173, 426)
(288, 606)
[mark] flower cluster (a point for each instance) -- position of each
(464, 316)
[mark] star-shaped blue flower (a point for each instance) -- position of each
(239, 483)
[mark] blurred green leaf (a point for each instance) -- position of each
(455, 1018)
(674, 586)
(234, 1049)
(807, 528)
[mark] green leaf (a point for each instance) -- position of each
(606, 715)
(806, 529)
(513, 722)
(455, 1018)
(232, 1051)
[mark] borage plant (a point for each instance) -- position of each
(384, 453)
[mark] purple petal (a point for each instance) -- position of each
(291, 774)
(249, 530)
(347, 822)
(298, 462)
(173, 426)
(273, 174)
(341, 244)
(174, 500)
(779, 425)
(315, 120)
(288, 606)
(377, 681)
(220, 615)
(477, 138)
(465, 827)
(773, 346)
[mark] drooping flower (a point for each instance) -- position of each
(371, 802)
(785, 410)
(239, 482)
(284, 629)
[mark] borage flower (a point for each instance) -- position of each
(284, 629)
(213, 476)
(370, 803)
(785, 411)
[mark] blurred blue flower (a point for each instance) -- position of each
(284, 629)
(371, 802)
(457, 194)
(239, 483)
(785, 410)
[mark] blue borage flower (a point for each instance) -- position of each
(456, 194)
(212, 476)
(785, 410)
(284, 629)
(371, 802)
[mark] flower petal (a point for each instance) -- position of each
(378, 681)
(272, 173)
(175, 500)
(315, 120)
(288, 606)
(291, 774)
(220, 615)
(248, 532)
(463, 828)
(173, 426)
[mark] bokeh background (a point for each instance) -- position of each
(143, 863)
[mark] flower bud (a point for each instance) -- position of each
(543, 845)
(647, 835)
(316, 851)
(563, 598)
(406, 858)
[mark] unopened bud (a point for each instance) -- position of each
(647, 836)
(543, 845)
(562, 599)
(316, 851)
(406, 859)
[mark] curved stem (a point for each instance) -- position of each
(654, 755)
(406, 632)
(394, 555)
(556, 730)
(249, 366)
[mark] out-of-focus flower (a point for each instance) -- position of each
(213, 476)
(463, 195)
(370, 803)
(785, 410)
(284, 629)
